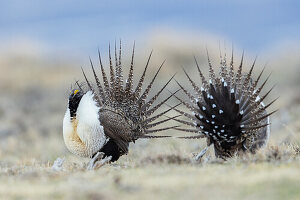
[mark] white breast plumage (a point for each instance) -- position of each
(84, 135)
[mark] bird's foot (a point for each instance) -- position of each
(201, 154)
(98, 161)
(58, 164)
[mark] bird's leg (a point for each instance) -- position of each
(100, 163)
(201, 154)
(91, 165)
(97, 161)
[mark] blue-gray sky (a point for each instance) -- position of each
(85, 25)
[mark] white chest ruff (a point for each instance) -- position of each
(85, 136)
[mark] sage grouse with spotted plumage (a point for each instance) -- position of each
(227, 110)
(104, 118)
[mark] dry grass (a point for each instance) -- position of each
(33, 100)
(273, 173)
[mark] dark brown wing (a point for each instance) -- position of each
(116, 127)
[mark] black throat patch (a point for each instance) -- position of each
(74, 100)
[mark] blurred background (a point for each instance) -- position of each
(43, 44)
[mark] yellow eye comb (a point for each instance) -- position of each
(76, 91)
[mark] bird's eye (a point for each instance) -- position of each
(75, 92)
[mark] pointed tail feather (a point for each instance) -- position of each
(160, 122)
(101, 92)
(141, 81)
(150, 102)
(104, 77)
(152, 110)
(192, 98)
(212, 74)
(258, 119)
(190, 130)
(191, 137)
(195, 87)
(160, 129)
(151, 119)
(146, 92)
(90, 86)
(154, 136)
(111, 68)
(129, 84)
(204, 82)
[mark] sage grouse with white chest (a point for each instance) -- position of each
(227, 110)
(102, 120)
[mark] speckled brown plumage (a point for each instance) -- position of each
(125, 113)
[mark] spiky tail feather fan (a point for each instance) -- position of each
(125, 112)
(227, 109)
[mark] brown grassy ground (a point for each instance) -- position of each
(167, 174)
(33, 100)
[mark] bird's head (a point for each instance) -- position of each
(74, 100)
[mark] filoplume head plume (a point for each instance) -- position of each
(227, 109)
(111, 113)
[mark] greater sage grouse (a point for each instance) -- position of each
(227, 110)
(102, 120)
